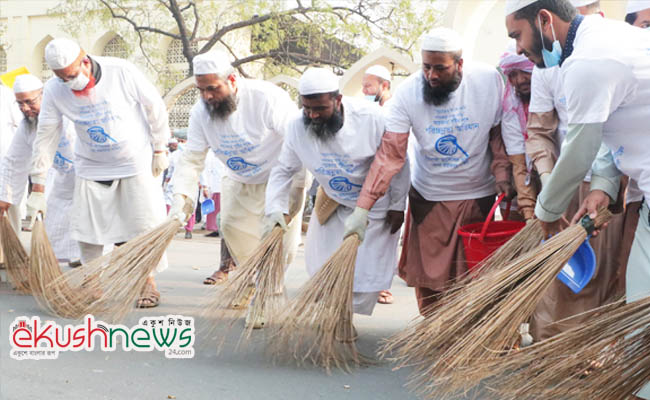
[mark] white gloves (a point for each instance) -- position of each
(159, 163)
(357, 223)
(545, 177)
(182, 208)
(35, 203)
(271, 221)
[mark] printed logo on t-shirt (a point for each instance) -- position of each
(61, 163)
(617, 155)
(242, 167)
(343, 184)
(97, 134)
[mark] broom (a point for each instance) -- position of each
(265, 270)
(115, 280)
(16, 259)
(59, 299)
(522, 283)
(616, 336)
(317, 324)
(468, 297)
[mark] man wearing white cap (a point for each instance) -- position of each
(243, 122)
(637, 13)
(614, 111)
(336, 139)
(376, 84)
(547, 128)
(122, 130)
(17, 162)
(454, 112)
(10, 117)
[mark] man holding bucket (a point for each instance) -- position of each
(454, 112)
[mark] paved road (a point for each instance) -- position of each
(230, 375)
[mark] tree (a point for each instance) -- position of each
(288, 33)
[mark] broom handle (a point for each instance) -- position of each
(491, 215)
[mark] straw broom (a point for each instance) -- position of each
(265, 270)
(114, 281)
(59, 299)
(317, 324)
(523, 283)
(470, 297)
(616, 336)
(16, 259)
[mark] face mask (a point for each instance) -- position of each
(79, 82)
(553, 57)
(371, 97)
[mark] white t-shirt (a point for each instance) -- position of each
(340, 164)
(607, 80)
(452, 156)
(513, 136)
(117, 125)
(248, 142)
(10, 117)
(213, 172)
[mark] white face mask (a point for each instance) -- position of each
(79, 82)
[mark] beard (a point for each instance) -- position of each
(222, 110)
(523, 96)
(32, 122)
(326, 130)
(440, 95)
(538, 45)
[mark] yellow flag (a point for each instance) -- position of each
(10, 77)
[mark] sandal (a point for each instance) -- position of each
(385, 297)
(244, 299)
(149, 298)
(217, 278)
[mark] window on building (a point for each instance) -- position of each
(3, 60)
(46, 72)
(179, 114)
(175, 52)
(116, 47)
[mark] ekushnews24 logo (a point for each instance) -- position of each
(33, 339)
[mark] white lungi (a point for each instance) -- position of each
(376, 258)
(242, 213)
(59, 215)
(105, 215)
(638, 270)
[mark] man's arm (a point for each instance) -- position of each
(541, 145)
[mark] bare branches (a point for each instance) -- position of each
(138, 28)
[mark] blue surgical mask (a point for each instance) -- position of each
(371, 97)
(553, 57)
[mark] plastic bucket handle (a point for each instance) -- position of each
(491, 215)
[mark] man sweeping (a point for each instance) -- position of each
(614, 112)
(16, 164)
(335, 138)
(454, 113)
(516, 99)
(122, 130)
(243, 122)
(547, 129)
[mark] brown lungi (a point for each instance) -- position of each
(434, 252)
(560, 302)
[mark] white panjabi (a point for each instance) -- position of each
(61, 52)
(317, 80)
(441, 39)
(212, 62)
(379, 71)
(27, 83)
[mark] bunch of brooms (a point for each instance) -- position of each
(477, 322)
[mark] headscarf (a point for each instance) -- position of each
(509, 62)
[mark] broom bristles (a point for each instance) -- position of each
(440, 326)
(307, 329)
(488, 316)
(114, 281)
(16, 258)
(264, 269)
(59, 299)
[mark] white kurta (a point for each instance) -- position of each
(59, 200)
(340, 165)
(118, 125)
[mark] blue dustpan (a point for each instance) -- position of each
(577, 273)
(207, 207)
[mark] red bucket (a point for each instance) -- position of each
(483, 238)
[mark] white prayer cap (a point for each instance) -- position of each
(441, 39)
(582, 3)
(212, 62)
(173, 140)
(380, 71)
(636, 6)
(27, 83)
(318, 80)
(516, 5)
(60, 53)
